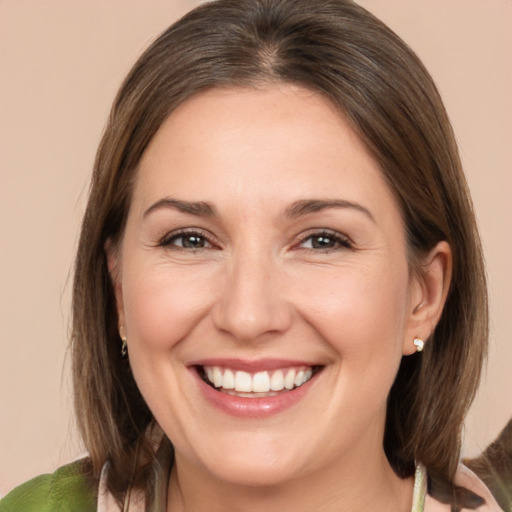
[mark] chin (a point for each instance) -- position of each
(255, 473)
(253, 462)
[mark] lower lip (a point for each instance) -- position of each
(253, 407)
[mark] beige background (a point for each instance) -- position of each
(61, 62)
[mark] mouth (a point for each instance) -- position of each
(260, 384)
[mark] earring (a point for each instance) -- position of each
(124, 346)
(419, 344)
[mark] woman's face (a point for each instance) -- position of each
(263, 286)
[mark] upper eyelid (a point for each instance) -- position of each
(165, 239)
(213, 240)
(326, 232)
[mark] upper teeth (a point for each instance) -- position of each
(260, 382)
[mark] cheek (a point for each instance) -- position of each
(162, 305)
(361, 317)
(358, 311)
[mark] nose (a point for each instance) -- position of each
(252, 305)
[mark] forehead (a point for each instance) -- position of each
(273, 144)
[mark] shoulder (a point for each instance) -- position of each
(66, 490)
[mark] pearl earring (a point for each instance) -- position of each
(419, 344)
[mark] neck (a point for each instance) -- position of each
(358, 485)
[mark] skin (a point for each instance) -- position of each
(262, 287)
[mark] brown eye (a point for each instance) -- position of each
(322, 242)
(325, 241)
(193, 241)
(188, 240)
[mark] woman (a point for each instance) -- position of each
(278, 225)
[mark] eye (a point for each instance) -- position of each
(325, 241)
(186, 240)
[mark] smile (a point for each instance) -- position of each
(255, 389)
(258, 384)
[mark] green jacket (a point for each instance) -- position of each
(66, 490)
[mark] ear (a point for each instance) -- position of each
(428, 292)
(114, 269)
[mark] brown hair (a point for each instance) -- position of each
(340, 50)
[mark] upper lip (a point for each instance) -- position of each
(252, 366)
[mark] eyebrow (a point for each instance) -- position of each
(296, 209)
(306, 206)
(198, 208)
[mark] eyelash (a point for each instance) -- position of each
(342, 241)
(167, 240)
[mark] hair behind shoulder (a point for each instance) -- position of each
(340, 50)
